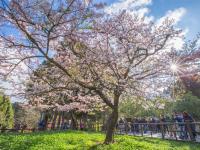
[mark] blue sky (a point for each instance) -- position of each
(158, 8)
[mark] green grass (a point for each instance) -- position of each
(75, 140)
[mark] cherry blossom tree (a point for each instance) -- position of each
(108, 55)
(44, 87)
(55, 93)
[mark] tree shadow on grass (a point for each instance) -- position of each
(180, 144)
(172, 143)
(94, 147)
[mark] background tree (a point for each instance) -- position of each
(26, 115)
(6, 112)
(141, 107)
(131, 107)
(188, 103)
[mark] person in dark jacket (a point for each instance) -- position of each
(163, 122)
(190, 126)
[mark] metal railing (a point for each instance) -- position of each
(22, 130)
(97, 127)
(188, 131)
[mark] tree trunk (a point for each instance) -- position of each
(54, 120)
(59, 120)
(74, 122)
(111, 126)
(46, 118)
(63, 120)
(112, 122)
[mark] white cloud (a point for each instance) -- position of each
(178, 42)
(140, 8)
(134, 7)
(13, 84)
(141, 12)
(130, 5)
(175, 15)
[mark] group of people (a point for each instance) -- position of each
(179, 124)
(184, 124)
(42, 125)
(20, 127)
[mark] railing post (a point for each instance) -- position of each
(150, 128)
(142, 129)
(189, 124)
(175, 127)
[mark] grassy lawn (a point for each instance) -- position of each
(71, 140)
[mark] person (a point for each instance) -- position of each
(137, 121)
(153, 125)
(172, 126)
(17, 127)
(121, 125)
(132, 125)
(24, 127)
(163, 124)
(41, 125)
(179, 119)
(157, 124)
(65, 125)
(190, 126)
(126, 126)
(81, 126)
(143, 121)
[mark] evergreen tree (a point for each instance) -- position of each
(6, 112)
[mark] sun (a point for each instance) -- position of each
(174, 67)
